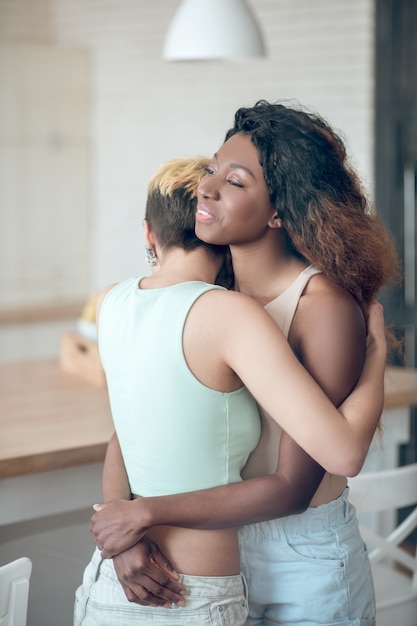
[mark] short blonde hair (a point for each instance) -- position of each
(172, 200)
(178, 173)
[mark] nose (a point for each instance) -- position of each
(207, 187)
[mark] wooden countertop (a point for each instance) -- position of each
(50, 419)
(400, 387)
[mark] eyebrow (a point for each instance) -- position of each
(238, 166)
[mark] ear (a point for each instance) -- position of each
(148, 234)
(275, 221)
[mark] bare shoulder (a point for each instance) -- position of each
(219, 327)
(325, 303)
(100, 299)
(328, 334)
(224, 304)
(222, 315)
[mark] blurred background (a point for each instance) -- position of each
(89, 109)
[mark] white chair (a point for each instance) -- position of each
(14, 592)
(394, 569)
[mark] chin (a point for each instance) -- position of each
(203, 233)
(208, 235)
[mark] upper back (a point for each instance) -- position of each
(176, 434)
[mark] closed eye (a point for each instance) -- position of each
(235, 183)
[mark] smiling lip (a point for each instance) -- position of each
(203, 215)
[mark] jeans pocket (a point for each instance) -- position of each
(232, 613)
(320, 550)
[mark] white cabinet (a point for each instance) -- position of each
(45, 212)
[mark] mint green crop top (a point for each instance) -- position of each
(175, 433)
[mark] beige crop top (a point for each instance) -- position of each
(264, 458)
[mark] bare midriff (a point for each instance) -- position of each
(199, 552)
(330, 488)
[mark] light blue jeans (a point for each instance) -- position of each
(309, 569)
(210, 601)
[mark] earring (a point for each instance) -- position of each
(151, 257)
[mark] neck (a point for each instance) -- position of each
(264, 269)
(177, 265)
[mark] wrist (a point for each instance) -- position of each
(376, 356)
(143, 512)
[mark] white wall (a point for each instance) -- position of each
(44, 174)
(145, 110)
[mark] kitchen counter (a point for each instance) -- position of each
(54, 430)
(50, 419)
(400, 387)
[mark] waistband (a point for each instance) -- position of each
(197, 586)
(334, 514)
(224, 586)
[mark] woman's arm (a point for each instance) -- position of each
(146, 575)
(338, 440)
(336, 366)
(115, 483)
(289, 394)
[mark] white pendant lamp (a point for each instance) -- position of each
(213, 29)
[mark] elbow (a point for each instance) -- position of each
(351, 464)
(353, 470)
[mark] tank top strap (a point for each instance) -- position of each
(283, 308)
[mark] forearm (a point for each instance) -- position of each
(340, 442)
(115, 481)
(269, 497)
(253, 500)
(364, 406)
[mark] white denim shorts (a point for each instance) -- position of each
(210, 601)
(309, 569)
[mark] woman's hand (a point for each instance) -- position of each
(116, 526)
(147, 577)
(376, 338)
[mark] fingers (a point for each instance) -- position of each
(376, 325)
(139, 595)
(375, 315)
(156, 589)
(144, 581)
(104, 554)
(155, 595)
(162, 562)
(376, 310)
(114, 527)
(162, 586)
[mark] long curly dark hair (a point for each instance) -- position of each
(319, 197)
